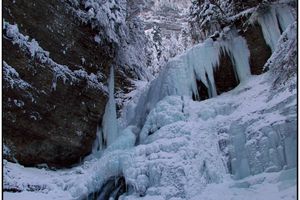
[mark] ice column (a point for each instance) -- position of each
(239, 53)
(109, 123)
(202, 59)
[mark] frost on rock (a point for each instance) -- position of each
(107, 15)
(12, 78)
(36, 52)
(110, 18)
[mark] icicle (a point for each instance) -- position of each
(239, 53)
(270, 28)
(275, 21)
(204, 58)
(109, 123)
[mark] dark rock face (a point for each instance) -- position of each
(56, 30)
(260, 52)
(40, 124)
(224, 75)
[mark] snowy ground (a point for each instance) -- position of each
(278, 185)
(182, 157)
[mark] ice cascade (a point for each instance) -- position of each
(274, 22)
(198, 63)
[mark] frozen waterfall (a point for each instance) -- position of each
(274, 20)
(198, 63)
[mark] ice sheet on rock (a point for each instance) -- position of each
(284, 15)
(98, 143)
(130, 101)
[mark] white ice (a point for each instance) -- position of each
(198, 63)
(182, 157)
(274, 21)
(110, 123)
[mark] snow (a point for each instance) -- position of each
(259, 187)
(109, 18)
(164, 113)
(166, 28)
(104, 14)
(182, 157)
(283, 60)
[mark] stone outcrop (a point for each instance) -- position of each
(51, 120)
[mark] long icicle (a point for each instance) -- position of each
(109, 123)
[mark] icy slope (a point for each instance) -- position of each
(190, 148)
